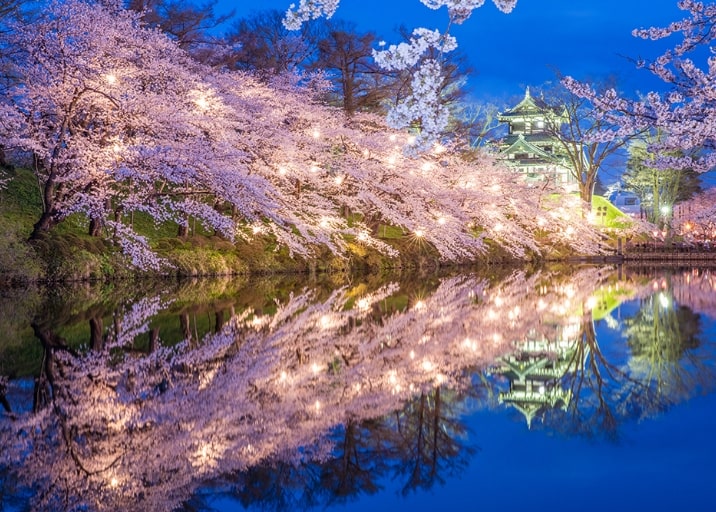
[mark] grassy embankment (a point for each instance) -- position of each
(69, 253)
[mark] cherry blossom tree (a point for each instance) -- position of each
(683, 116)
(127, 122)
(695, 219)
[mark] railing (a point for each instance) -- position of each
(670, 251)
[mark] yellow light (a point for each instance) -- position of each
(110, 78)
(411, 139)
(442, 221)
(393, 138)
(316, 134)
(426, 167)
(202, 103)
(419, 233)
(282, 171)
(427, 365)
(338, 180)
(114, 482)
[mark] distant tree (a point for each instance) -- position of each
(581, 137)
(261, 43)
(188, 23)
(346, 56)
(659, 188)
(476, 123)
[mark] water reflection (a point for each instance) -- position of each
(286, 395)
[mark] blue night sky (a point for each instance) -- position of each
(585, 38)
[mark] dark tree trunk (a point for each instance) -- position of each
(3, 399)
(185, 325)
(153, 339)
(183, 230)
(3, 159)
(219, 316)
(95, 226)
(96, 338)
(43, 225)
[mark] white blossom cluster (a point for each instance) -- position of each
(422, 104)
(308, 10)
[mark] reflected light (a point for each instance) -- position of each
(664, 301)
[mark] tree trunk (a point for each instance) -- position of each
(96, 338)
(220, 320)
(43, 225)
(153, 339)
(95, 226)
(183, 230)
(3, 159)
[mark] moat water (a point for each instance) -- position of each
(588, 388)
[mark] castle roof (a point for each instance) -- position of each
(530, 106)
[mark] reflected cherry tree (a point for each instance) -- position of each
(571, 384)
(295, 385)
